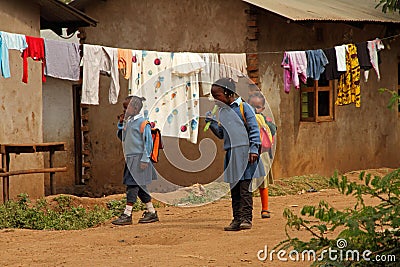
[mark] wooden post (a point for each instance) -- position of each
(52, 182)
(6, 185)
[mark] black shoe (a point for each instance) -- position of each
(265, 214)
(234, 226)
(149, 217)
(246, 224)
(123, 220)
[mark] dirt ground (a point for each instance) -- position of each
(183, 237)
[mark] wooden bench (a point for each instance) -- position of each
(7, 149)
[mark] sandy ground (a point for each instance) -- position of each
(183, 237)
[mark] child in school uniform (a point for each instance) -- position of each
(139, 170)
(257, 101)
(241, 143)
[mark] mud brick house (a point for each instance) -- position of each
(21, 112)
(314, 135)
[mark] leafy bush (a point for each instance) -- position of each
(374, 228)
(39, 216)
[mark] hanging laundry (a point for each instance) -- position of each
(341, 57)
(349, 83)
(364, 59)
(95, 59)
(187, 63)
(125, 62)
(136, 75)
(316, 61)
(153, 63)
(210, 72)
(331, 70)
(171, 89)
(10, 41)
(155, 82)
(35, 50)
(374, 47)
(62, 60)
(233, 66)
(294, 65)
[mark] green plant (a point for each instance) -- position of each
(40, 216)
(374, 228)
(389, 5)
(394, 99)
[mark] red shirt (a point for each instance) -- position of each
(35, 50)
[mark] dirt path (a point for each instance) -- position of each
(183, 237)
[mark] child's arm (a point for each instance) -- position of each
(119, 131)
(252, 129)
(148, 144)
(214, 126)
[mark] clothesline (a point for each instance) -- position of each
(283, 51)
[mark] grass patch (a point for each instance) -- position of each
(294, 185)
(60, 215)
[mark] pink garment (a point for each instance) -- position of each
(373, 48)
(294, 65)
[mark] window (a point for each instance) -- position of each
(317, 100)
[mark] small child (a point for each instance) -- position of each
(138, 171)
(241, 143)
(257, 101)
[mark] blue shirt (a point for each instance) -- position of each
(233, 129)
(10, 41)
(135, 142)
(316, 61)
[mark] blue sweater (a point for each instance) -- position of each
(233, 130)
(135, 142)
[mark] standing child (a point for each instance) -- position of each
(241, 143)
(257, 101)
(139, 171)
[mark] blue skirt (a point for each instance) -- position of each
(237, 166)
(134, 175)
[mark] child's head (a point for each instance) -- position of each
(257, 101)
(135, 105)
(126, 102)
(224, 90)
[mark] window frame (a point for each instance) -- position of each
(304, 88)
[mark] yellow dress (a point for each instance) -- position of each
(349, 82)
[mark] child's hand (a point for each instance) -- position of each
(210, 116)
(253, 158)
(143, 165)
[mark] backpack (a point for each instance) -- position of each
(157, 142)
(266, 135)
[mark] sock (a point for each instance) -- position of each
(128, 210)
(149, 207)
(264, 198)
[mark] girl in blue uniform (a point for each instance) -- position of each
(241, 142)
(139, 171)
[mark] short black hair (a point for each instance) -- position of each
(136, 101)
(228, 84)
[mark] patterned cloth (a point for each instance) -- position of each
(349, 83)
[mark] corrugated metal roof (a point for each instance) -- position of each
(56, 14)
(328, 10)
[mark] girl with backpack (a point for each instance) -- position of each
(242, 144)
(139, 170)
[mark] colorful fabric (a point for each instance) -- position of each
(349, 83)
(374, 47)
(35, 50)
(10, 41)
(125, 62)
(316, 61)
(294, 66)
